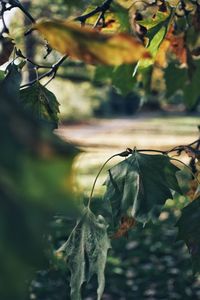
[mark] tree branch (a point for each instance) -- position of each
(99, 9)
(52, 72)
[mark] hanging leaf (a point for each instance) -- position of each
(153, 21)
(139, 186)
(90, 45)
(175, 79)
(190, 88)
(189, 231)
(42, 103)
(86, 253)
(120, 77)
(156, 36)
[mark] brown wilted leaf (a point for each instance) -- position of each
(177, 45)
(194, 185)
(92, 46)
(192, 193)
(126, 224)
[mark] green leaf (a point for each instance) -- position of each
(120, 77)
(86, 252)
(123, 80)
(175, 78)
(154, 44)
(191, 88)
(103, 74)
(154, 21)
(139, 186)
(10, 85)
(42, 103)
(156, 36)
(2, 75)
(189, 231)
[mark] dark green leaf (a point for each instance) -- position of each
(189, 231)
(103, 74)
(175, 78)
(123, 80)
(140, 185)
(120, 77)
(87, 244)
(191, 89)
(41, 103)
(1, 75)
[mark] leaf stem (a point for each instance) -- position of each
(97, 176)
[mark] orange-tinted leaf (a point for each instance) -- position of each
(161, 57)
(177, 45)
(194, 191)
(92, 46)
(6, 48)
(126, 224)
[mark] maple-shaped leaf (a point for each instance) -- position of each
(139, 186)
(189, 231)
(92, 46)
(86, 252)
(41, 102)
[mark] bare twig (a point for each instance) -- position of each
(52, 72)
(99, 9)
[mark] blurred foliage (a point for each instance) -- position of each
(35, 184)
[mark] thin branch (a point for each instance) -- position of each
(99, 9)
(38, 66)
(16, 3)
(52, 72)
(152, 150)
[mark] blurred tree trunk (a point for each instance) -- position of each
(30, 44)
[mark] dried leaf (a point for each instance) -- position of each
(126, 224)
(90, 45)
(86, 253)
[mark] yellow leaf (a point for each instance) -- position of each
(92, 46)
(161, 56)
(125, 3)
